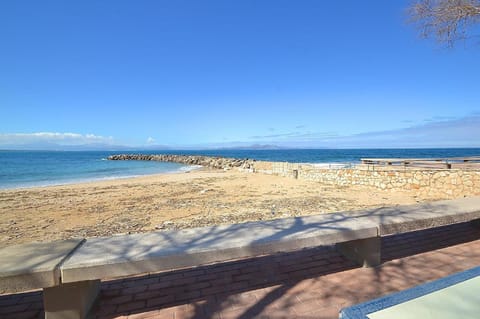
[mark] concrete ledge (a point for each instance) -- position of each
(402, 219)
(158, 251)
(119, 256)
(33, 266)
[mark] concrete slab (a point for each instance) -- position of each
(111, 257)
(401, 219)
(455, 296)
(458, 301)
(33, 266)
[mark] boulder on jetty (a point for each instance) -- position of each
(206, 161)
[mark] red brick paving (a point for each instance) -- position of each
(313, 283)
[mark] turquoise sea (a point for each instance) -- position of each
(20, 169)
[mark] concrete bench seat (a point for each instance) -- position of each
(70, 271)
(152, 252)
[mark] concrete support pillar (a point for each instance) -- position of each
(365, 252)
(71, 300)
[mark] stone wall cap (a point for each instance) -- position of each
(33, 265)
(400, 219)
(149, 252)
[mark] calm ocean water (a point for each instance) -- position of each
(39, 168)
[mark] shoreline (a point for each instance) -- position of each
(108, 172)
(183, 169)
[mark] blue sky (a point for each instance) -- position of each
(224, 73)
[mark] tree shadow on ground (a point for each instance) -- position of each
(319, 277)
(325, 276)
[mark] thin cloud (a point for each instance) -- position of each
(317, 135)
(440, 132)
(282, 135)
(150, 140)
(53, 138)
(439, 119)
(295, 135)
(458, 132)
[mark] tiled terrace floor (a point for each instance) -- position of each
(314, 283)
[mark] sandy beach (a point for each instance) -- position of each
(182, 200)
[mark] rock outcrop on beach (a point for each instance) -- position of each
(206, 161)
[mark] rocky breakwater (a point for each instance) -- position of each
(206, 161)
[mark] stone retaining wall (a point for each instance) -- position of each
(443, 183)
